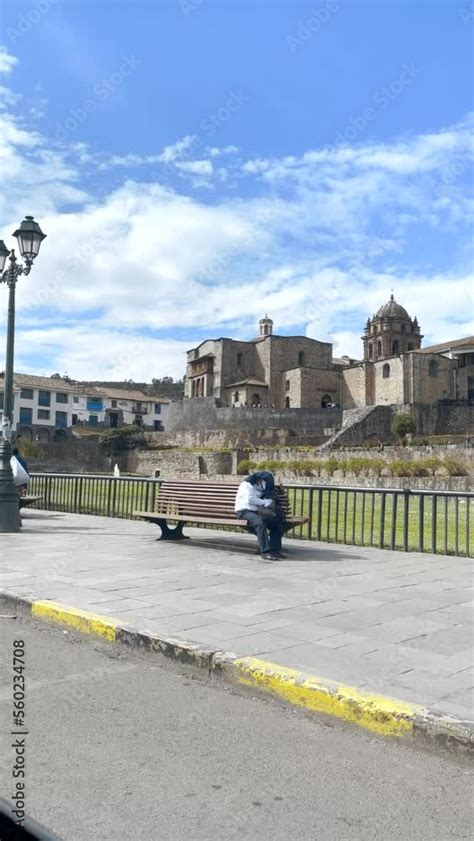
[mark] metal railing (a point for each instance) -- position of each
(388, 518)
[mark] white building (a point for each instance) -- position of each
(46, 407)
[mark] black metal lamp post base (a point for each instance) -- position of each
(10, 520)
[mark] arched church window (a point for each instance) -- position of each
(379, 348)
(433, 368)
(239, 359)
(287, 402)
(395, 347)
(386, 371)
(193, 388)
(370, 350)
(402, 328)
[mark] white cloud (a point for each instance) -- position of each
(196, 167)
(7, 61)
(174, 151)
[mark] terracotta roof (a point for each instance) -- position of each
(344, 360)
(120, 394)
(443, 346)
(50, 383)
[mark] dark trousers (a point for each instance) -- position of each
(267, 528)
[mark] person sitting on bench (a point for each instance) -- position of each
(254, 503)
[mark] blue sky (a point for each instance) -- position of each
(196, 164)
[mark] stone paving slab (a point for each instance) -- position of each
(387, 622)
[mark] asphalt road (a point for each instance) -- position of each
(124, 745)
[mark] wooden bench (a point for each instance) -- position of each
(202, 504)
(24, 501)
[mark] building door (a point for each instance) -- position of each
(470, 391)
(113, 420)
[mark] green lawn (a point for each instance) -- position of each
(336, 516)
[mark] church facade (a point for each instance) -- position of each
(298, 372)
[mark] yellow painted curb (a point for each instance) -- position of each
(381, 715)
(82, 620)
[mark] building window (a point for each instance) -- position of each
(370, 350)
(138, 420)
(94, 404)
(43, 414)
(26, 394)
(26, 415)
(158, 426)
(256, 400)
(239, 359)
(386, 371)
(44, 398)
(62, 397)
(1, 399)
(402, 328)
(379, 348)
(61, 420)
(300, 358)
(287, 402)
(326, 402)
(114, 404)
(433, 368)
(395, 347)
(287, 385)
(157, 408)
(76, 399)
(410, 346)
(236, 396)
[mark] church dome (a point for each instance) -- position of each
(392, 310)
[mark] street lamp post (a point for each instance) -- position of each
(29, 237)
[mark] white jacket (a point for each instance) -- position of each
(248, 498)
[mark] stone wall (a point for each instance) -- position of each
(443, 419)
(457, 484)
(430, 385)
(308, 386)
(353, 387)
(462, 454)
(463, 375)
(203, 414)
(389, 390)
(179, 463)
(72, 455)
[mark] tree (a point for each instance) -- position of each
(402, 425)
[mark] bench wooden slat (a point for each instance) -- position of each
(203, 503)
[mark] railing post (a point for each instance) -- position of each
(393, 524)
(421, 523)
(434, 524)
(382, 519)
(153, 494)
(406, 517)
(320, 513)
(310, 513)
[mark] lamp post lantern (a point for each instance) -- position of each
(29, 237)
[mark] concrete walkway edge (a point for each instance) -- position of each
(379, 714)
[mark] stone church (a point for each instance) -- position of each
(298, 372)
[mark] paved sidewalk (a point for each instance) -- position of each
(386, 622)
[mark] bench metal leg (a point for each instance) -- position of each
(168, 533)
